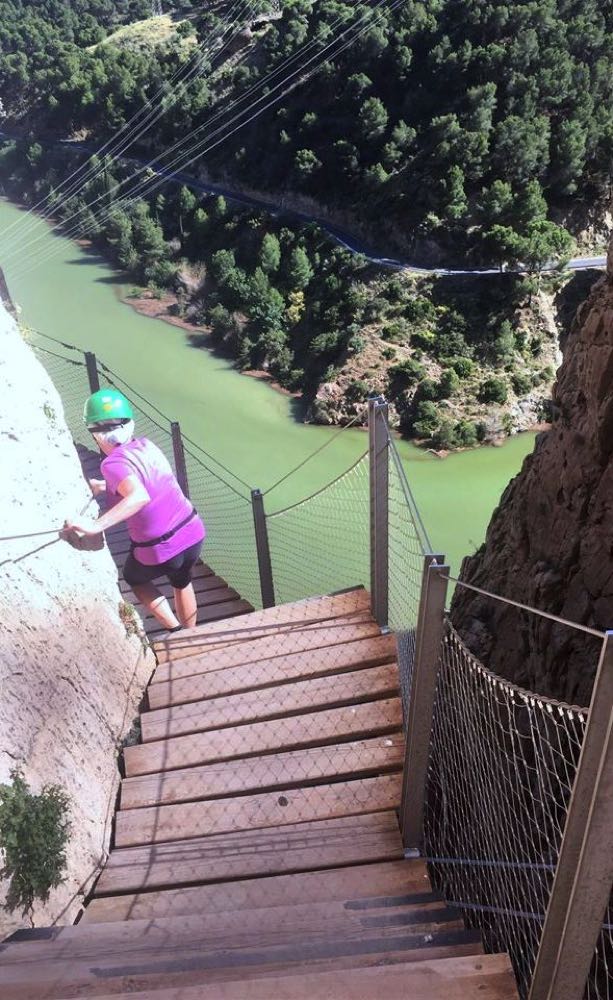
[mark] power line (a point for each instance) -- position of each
(141, 186)
(92, 172)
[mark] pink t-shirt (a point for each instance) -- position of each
(168, 505)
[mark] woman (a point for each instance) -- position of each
(165, 530)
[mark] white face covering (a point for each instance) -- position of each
(118, 435)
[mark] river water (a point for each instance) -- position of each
(73, 295)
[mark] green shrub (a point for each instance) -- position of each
(428, 389)
(466, 433)
(521, 383)
(34, 832)
(493, 390)
(449, 384)
(357, 391)
(463, 367)
(403, 375)
(397, 332)
(426, 419)
(388, 353)
(444, 437)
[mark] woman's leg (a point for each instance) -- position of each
(186, 605)
(154, 601)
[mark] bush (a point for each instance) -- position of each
(34, 832)
(397, 332)
(493, 390)
(466, 433)
(428, 389)
(357, 391)
(463, 367)
(388, 353)
(449, 384)
(402, 375)
(426, 419)
(521, 383)
(444, 437)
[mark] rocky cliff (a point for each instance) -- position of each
(550, 541)
(70, 676)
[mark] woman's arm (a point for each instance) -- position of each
(134, 496)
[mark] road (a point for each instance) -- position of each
(342, 237)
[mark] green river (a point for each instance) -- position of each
(73, 295)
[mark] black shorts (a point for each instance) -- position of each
(178, 569)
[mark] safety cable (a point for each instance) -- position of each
(323, 489)
(527, 607)
(92, 172)
(317, 451)
(164, 179)
(34, 534)
(144, 399)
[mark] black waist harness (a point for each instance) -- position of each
(167, 535)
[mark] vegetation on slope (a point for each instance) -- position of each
(451, 129)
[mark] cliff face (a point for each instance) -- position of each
(550, 541)
(70, 676)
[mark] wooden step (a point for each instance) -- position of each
(258, 969)
(293, 667)
(214, 613)
(300, 847)
(340, 760)
(267, 647)
(486, 977)
(360, 721)
(245, 928)
(404, 879)
(313, 609)
(252, 812)
(267, 703)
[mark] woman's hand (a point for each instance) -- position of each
(97, 486)
(83, 525)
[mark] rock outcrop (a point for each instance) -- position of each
(550, 541)
(70, 675)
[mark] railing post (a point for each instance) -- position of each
(379, 495)
(582, 884)
(431, 623)
(179, 457)
(263, 550)
(92, 371)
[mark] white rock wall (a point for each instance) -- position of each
(70, 677)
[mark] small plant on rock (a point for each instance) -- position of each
(34, 832)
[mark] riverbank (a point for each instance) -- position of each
(161, 305)
(75, 297)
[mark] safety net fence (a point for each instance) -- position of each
(501, 770)
(408, 544)
(222, 500)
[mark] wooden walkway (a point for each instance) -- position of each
(257, 852)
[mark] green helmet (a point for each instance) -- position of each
(106, 405)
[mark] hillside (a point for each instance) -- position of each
(463, 151)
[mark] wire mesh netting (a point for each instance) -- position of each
(68, 373)
(407, 545)
(501, 770)
(321, 544)
(230, 546)
(226, 510)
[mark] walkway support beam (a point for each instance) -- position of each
(582, 884)
(263, 550)
(378, 452)
(92, 371)
(428, 642)
(179, 457)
